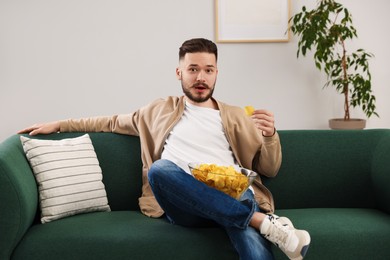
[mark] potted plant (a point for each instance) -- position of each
(326, 30)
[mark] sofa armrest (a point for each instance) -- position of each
(18, 195)
(380, 172)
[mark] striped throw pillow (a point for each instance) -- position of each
(69, 176)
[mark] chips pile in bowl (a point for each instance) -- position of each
(227, 179)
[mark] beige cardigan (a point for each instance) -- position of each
(153, 124)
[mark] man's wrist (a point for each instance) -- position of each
(265, 135)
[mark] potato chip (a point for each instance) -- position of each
(249, 110)
(222, 178)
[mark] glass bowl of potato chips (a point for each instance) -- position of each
(233, 181)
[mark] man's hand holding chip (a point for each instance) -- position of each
(263, 119)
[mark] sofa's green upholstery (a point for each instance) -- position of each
(335, 184)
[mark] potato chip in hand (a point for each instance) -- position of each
(249, 110)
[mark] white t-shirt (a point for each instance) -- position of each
(198, 137)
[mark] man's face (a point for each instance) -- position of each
(198, 74)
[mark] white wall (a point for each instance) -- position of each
(78, 58)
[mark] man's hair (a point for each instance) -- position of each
(198, 45)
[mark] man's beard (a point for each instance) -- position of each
(198, 99)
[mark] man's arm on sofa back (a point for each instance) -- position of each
(18, 195)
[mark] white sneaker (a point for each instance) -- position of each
(285, 221)
(293, 242)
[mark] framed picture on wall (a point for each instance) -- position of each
(252, 20)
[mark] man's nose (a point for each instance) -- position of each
(200, 77)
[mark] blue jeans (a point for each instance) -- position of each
(188, 202)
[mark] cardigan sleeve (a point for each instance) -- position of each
(121, 124)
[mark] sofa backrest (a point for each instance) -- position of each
(120, 159)
(327, 168)
(320, 168)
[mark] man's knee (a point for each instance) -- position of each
(159, 167)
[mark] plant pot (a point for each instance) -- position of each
(353, 123)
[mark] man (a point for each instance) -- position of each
(197, 128)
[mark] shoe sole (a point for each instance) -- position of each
(306, 237)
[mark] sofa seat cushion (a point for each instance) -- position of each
(342, 233)
(120, 234)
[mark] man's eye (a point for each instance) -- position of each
(193, 69)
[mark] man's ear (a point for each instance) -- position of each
(178, 73)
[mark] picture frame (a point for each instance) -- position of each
(252, 20)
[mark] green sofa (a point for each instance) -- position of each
(335, 184)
